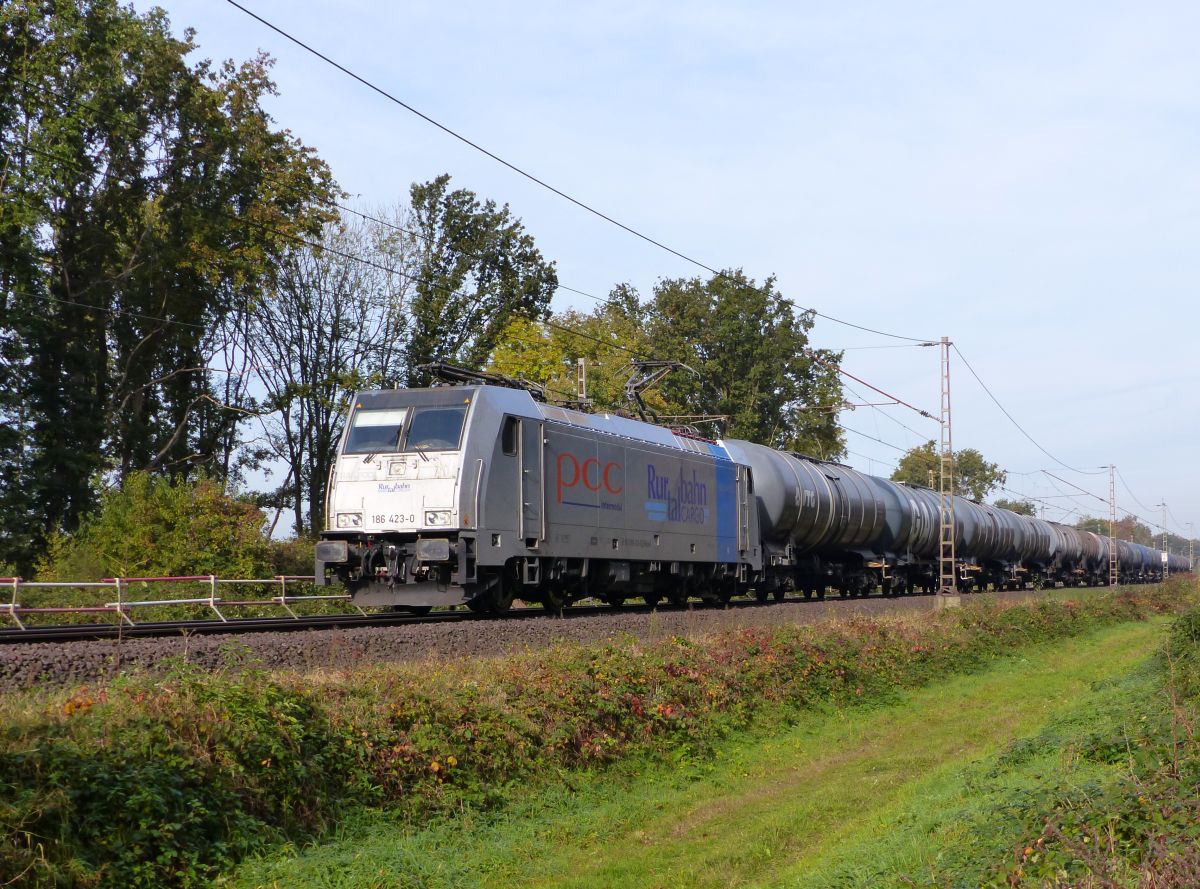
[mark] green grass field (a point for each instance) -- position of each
(909, 792)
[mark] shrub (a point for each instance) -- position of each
(151, 527)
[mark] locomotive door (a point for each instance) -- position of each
(744, 486)
(533, 466)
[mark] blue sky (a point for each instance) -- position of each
(1022, 177)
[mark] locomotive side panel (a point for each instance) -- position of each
(611, 498)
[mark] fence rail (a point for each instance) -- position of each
(121, 607)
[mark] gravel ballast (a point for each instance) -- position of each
(24, 665)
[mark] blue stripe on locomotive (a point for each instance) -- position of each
(727, 549)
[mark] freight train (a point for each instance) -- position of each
(480, 494)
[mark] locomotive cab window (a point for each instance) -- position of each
(435, 428)
(375, 431)
(508, 436)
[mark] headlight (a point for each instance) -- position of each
(349, 519)
(437, 518)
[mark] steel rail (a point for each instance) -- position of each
(61, 633)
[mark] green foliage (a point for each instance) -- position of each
(153, 527)
(292, 557)
(745, 342)
(1138, 826)
(1021, 507)
(164, 782)
(607, 339)
(477, 270)
(750, 349)
(145, 204)
(1105, 796)
(974, 476)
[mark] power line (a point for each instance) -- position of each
(880, 410)
(873, 438)
(812, 354)
(345, 255)
(531, 177)
(1012, 419)
(1129, 491)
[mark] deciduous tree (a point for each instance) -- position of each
(750, 350)
(146, 201)
(974, 476)
(477, 270)
(1021, 507)
(332, 324)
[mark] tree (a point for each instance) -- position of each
(974, 476)
(477, 270)
(145, 204)
(332, 324)
(1127, 528)
(607, 339)
(746, 344)
(750, 351)
(1021, 507)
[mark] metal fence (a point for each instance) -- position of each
(121, 607)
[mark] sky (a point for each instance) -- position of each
(1023, 178)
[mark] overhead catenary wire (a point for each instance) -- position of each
(1129, 491)
(913, 341)
(1013, 420)
(530, 176)
(328, 249)
(811, 354)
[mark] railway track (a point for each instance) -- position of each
(163, 629)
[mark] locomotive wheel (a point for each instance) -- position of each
(552, 600)
(762, 594)
(652, 599)
(411, 609)
(502, 599)
(780, 594)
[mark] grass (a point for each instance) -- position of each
(892, 794)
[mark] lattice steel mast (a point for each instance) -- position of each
(946, 559)
(1113, 566)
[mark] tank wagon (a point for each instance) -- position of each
(478, 494)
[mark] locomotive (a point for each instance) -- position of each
(481, 493)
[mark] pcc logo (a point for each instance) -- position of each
(591, 473)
